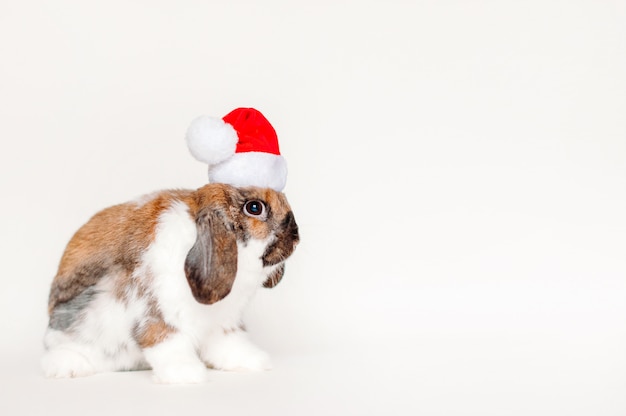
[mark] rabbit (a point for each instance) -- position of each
(161, 283)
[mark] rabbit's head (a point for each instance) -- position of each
(227, 217)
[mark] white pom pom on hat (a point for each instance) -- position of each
(211, 140)
(241, 149)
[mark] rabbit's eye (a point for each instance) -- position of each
(255, 209)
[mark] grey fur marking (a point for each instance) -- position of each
(67, 313)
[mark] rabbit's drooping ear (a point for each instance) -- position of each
(211, 264)
(275, 277)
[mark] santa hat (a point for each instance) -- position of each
(241, 149)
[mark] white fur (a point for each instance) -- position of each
(206, 334)
(175, 361)
(67, 361)
(233, 351)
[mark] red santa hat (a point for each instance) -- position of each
(241, 149)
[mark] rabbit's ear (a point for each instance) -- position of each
(211, 263)
(275, 277)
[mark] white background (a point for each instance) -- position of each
(457, 168)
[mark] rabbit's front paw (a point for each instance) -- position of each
(234, 352)
(181, 373)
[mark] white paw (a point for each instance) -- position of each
(181, 373)
(242, 359)
(65, 362)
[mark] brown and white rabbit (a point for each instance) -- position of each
(162, 282)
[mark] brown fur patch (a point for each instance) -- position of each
(257, 228)
(152, 333)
